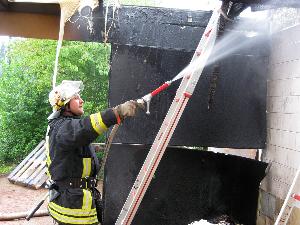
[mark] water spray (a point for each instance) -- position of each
(186, 71)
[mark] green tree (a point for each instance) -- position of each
(27, 79)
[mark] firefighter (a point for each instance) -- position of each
(72, 164)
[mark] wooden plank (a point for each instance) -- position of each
(41, 163)
(28, 164)
(40, 179)
(26, 159)
(40, 169)
(31, 169)
(35, 25)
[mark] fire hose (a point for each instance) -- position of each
(27, 215)
(21, 215)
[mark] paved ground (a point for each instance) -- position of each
(16, 199)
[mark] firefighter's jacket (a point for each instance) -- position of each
(69, 156)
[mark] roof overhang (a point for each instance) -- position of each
(40, 18)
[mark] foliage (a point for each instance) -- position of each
(5, 169)
(27, 79)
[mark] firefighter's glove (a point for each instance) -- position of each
(126, 109)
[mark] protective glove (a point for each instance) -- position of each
(126, 109)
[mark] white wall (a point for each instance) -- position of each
(283, 111)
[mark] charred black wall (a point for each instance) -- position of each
(236, 114)
(189, 185)
(153, 27)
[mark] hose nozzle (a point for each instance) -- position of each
(147, 98)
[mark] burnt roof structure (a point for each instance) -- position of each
(41, 20)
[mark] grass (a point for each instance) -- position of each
(5, 169)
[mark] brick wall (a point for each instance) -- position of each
(283, 117)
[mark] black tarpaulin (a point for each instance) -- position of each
(236, 117)
(188, 185)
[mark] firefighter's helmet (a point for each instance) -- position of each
(63, 93)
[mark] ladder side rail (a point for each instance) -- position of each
(164, 135)
(286, 208)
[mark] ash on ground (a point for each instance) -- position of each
(221, 220)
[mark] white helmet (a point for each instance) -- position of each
(63, 93)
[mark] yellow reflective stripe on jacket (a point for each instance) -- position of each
(97, 123)
(87, 167)
(73, 220)
(48, 159)
(87, 199)
(86, 215)
(72, 212)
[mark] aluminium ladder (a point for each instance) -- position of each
(292, 200)
(183, 94)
